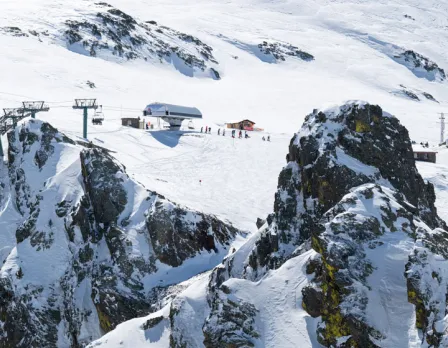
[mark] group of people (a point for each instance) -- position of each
(207, 129)
(240, 133)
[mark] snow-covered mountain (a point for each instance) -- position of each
(180, 239)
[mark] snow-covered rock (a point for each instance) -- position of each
(109, 33)
(91, 244)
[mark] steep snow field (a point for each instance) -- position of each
(354, 44)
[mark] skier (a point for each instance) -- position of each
(269, 138)
(202, 128)
(240, 135)
(219, 131)
(246, 135)
(209, 130)
(206, 129)
(233, 133)
(223, 132)
(264, 139)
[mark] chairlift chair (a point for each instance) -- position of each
(98, 116)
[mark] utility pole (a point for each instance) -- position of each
(85, 105)
(33, 107)
(442, 128)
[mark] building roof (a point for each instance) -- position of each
(230, 122)
(417, 148)
(174, 110)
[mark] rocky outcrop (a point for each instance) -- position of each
(346, 158)
(345, 147)
(420, 65)
(113, 31)
(175, 236)
(280, 51)
(98, 237)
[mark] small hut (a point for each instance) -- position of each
(134, 122)
(243, 125)
(424, 154)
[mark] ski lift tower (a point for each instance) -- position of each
(14, 114)
(85, 104)
(8, 121)
(33, 107)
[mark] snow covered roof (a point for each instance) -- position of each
(420, 148)
(174, 110)
(240, 120)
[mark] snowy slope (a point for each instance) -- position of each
(359, 51)
(347, 65)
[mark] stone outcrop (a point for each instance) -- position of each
(118, 33)
(281, 51)
(103, 250)
(420, 65)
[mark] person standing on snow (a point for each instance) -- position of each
(219, 131)
(209, 130)
(269, 138)
(202, 128)
(264, 139)
(206, 129)
(224, 132)
(240, 135)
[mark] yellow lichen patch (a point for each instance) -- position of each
(376, 118)
(322, 188)
(315, 244)
(334, 295)
(361, 127)
(105, 324)
(412, 296)
(335, 327)
(331, 270)
(420, 311)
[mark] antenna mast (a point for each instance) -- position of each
(442, 128)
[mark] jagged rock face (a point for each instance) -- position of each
(175, 236)
(111, 30)
(280, 51)
(89, 242)
(110, 33)
(355, 248)
(231, 324)
(420, 65)
(107, 195)
(333, 152)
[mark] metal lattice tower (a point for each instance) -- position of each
(13, 115)
(34, 107)
(8, 121)
(442, 128)
(85, 104)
